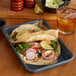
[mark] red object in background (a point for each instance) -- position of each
(16, 0)
(17, 5)
(29, 3)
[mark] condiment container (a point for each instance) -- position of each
(29, 3)
(17, 5)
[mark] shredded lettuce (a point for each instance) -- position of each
(22, 47)
(14, 36)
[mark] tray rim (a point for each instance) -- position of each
(24, 64)
(4, 23)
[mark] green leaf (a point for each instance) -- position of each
(17, 48)
(52, 40)
(20, 50)
(13, 36)
(54, 44)
(38, 54)
(26, 45)
(20, 46)
(37, 30)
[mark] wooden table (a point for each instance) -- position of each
(9, 63)
(26, 13)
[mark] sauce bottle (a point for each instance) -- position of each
(17, 5)
(29, 3)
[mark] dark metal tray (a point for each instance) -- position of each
(66, 54)
(2, 23)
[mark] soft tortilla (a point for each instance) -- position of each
(24, 27)
(42, 61)
(42, 35)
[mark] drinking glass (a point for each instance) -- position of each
(65, 18)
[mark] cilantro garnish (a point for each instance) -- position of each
(37, 30)
(21, 47)
(14, 36)
(54, 44)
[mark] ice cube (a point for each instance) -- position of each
(72, 15)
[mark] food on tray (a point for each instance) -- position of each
(24, 29)
(36, 46)
(53, 3)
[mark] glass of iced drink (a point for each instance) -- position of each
(65, 20)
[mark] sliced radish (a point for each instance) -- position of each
(32, 30)
(52, 54)
(31, 50)
(30, 55)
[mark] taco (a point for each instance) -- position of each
(24, 29)
(37, 48)
(41, 55)
(41, 35)
(22, 33)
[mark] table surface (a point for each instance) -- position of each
(9, 63)
(27, 13)
(11, 66)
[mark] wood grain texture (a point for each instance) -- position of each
(11, 66)
(27, 13)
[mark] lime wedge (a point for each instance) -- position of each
(45, 45)
(38, 10)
